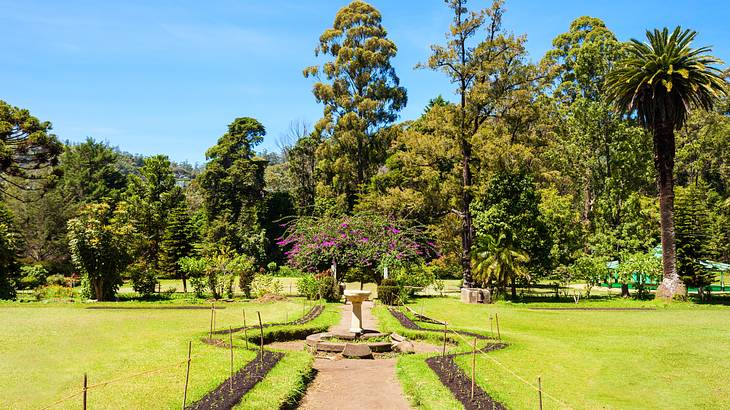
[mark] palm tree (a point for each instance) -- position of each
(499, 262)
(661, 81)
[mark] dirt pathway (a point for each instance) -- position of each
(355, 384)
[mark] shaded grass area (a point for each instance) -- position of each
(677, 356)
(46, 349)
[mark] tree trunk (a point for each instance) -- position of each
(664, 150)
(625, 290)
(467, 229)
(185, 283)
(514, 289)
(98, 286)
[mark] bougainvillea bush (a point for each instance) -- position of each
(366, 241)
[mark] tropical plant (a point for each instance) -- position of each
(499, 263)
(661, 81)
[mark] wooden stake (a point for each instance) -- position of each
(187, 376)
(443, 353)
(230, 340)
(215, 314)
(245, 333)
(496, 319)
(261, 328)
(539, 390)
(473, 366)
(85, 389)
(210, 335)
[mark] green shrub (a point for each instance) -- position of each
(413, 277)
(144, 282)
(54, 292)
(32, 276)
(289, 272)
(195, 269)
(389, 291)
(198, 283)
(308, 287)
(329, 289)
(262, 285)
(272, 268)
(58, 280)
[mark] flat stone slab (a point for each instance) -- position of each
(357, 351)
(320, 342)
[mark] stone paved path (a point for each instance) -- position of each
(355, 384)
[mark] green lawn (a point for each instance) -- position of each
(676, 357)
(46, 349)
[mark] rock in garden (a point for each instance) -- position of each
(357, 351)
(404, 347)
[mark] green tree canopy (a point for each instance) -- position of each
(361, 94)
(233, 189)
(102, 240)
(26, 148)
(152, 195)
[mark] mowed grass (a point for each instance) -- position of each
(46, 349)
(675, 357)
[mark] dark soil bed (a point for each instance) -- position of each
(406, 322)
(591, 308)
(153, 307)
(454, 378)
(225, 397)
(313, 313)
(450, 374)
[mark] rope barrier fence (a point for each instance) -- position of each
(483, 353)
(179, 364)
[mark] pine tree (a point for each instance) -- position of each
(691, 235)
(177, 242)
(9, 247)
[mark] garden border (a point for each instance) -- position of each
(312, 314)
(449, 373)
(231, 391)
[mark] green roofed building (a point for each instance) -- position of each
(719, 267)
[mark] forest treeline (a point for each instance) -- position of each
(530, 163)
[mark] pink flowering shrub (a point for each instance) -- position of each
(366, 241)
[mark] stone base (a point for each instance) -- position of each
(476, 295)
(357, 351)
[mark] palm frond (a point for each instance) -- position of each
(663, 78)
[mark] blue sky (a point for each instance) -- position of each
(168, 76)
